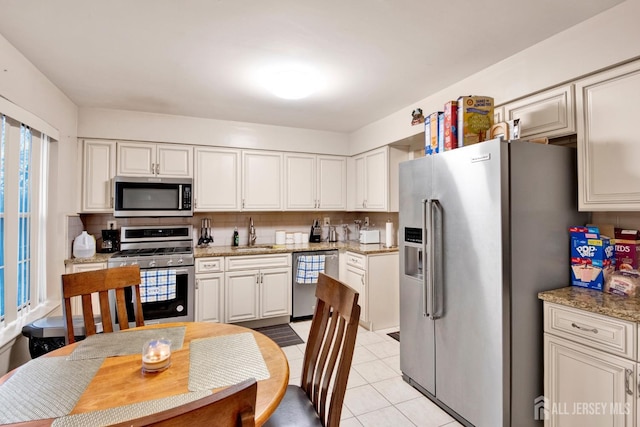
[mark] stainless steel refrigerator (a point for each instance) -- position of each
(483, 229)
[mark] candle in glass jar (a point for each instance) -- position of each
(156, 355)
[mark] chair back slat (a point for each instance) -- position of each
(86, 283)
(329, 350)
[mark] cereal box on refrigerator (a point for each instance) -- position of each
(427, 135)
(433, 132)
(475, 118)
(450, 125)
(440, 132)
(592, 257)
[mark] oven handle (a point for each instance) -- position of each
(179, 270)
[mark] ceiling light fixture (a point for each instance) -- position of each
(292, 83)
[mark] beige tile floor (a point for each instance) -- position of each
(376, 394)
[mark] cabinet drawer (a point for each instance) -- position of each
(356, 260)
(594, 330)
(257, 261)
(209, 265)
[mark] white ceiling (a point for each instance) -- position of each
(199, 57)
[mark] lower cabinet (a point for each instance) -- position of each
(76, 302)
(209, 293)
(257, 287)
(591, 370)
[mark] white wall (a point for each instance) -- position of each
(22, 84)
(606, 39)
(138, 126)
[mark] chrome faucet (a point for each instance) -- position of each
(252, 233)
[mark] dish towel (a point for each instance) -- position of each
(157, 285)
(308, 268)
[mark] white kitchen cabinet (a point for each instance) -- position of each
(209, 292)
(590, 364)
(608, 148)
(76, 302)
(375, 277)
(217, 179)
(315, 182)
(262, 180)
(257, 287)
(154, 159)
(546, 114)
(98, 170)
(373, 179)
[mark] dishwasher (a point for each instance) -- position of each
(304, 294)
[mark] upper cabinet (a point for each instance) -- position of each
(217, 179)
(98, 169)
(608, 142)
(315, 182)
(262, 178)
(373, 179)
(155, 159)
(546, 114)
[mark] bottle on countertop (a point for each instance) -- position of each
(236, 237)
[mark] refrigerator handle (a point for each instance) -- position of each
(437, 282)
(425, 254)
(430, 259)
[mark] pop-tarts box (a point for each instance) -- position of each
(592, 257)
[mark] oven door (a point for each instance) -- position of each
(165, 301)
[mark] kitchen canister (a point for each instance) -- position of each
(289, 238)
(297, 238)
(84, 246)
(280, 237)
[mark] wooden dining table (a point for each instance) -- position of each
(120, 380)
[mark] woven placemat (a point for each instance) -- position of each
(120, 414)
(57, 382)
(123, 343)
(223, 361)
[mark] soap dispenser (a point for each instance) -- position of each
(236, 237)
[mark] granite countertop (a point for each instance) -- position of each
(625, 308)
(369, 249)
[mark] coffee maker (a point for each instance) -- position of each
(110, 241)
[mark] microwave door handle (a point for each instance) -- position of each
(180, 196)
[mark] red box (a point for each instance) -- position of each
(627, 249)
(450, 125)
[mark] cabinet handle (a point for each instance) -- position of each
(261, 278)
(197, 283)
(582, 328)
(153, 168)
(242, 203)
(627, 381)
(195, 203)
(111, 201)
(157, 168)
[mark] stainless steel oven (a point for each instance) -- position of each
(165, 257)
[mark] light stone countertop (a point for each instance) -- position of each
(625, 308)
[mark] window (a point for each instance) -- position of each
(23, 207)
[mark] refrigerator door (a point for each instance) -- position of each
(471, 220)
(417, 351)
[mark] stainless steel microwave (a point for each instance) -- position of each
(134, 196)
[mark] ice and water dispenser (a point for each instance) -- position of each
(413, 252)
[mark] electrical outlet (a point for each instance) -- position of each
(366, 221)
(327, 220)
(112, 225)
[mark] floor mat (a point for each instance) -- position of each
(283, 335)
(395, 335)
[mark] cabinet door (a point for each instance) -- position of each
(300, 181)
(209, 297)
(586, 387)
(76, 302)
(356, 278)
(217, 180)
(359, 165)
(174, 160)
(608, 149)
(262, 177)
(275, 292)
(136, 159)
(241, 295)
(98, 169)
(332, 183)
(546, 114)
(376, 180)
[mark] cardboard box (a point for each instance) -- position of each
(592, 257)
(450, 125)
(427, 136)
(627, 249)
(475, 118)
(440, 132)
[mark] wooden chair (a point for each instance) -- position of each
(86, 283)
(327, 360)
(234, 406)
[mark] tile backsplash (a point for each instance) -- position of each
(266, 224)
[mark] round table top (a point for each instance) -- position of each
(120, 380)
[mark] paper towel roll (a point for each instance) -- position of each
(388, 234)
